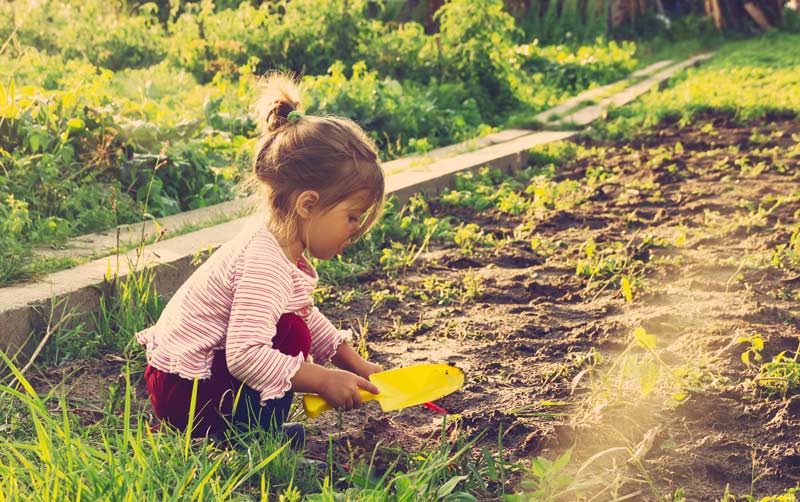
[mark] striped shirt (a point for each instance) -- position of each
(233, 302)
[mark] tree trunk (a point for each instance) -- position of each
(626, 11)
(757, 15)
(737, 14)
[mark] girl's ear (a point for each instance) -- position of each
(305, 202)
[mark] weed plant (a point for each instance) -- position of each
(613, 264)
(787, 255)
(777, 377)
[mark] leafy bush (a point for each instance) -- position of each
(14, 222)
(66, 152)
(312, 34)
(476, 36)
(209, 42)
(400, 52)
(574, 70)
(572, 23)
(99, 32)
(395, 114)
(304, 36)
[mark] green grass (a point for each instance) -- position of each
(748, 79)
(48, 454)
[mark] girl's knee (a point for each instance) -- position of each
(292, 335)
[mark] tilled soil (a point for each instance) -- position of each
(535, 340)
(522, 341)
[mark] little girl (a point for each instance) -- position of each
(244, 324)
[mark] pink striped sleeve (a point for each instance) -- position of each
(262, 288)
(325, 337)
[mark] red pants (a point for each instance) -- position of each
(171, 394)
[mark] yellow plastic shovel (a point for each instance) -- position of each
(401, 387)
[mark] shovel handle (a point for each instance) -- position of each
(314, 404)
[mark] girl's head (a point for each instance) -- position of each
(313, 167)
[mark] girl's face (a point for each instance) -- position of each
(327, 233)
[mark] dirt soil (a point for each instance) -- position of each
(535, 342)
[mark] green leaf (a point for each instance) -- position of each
(590, 248)
(679, 396)
(402, 484)
(447, 488)
(460, 497)
(648, 378)
(539, 468)
(35, 142)
(562, 461)
(76, 123)
(645, 340)
(626, 289)
(562, 481)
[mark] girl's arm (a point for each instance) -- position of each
(348, 359)
(339, 388)
(327, 344)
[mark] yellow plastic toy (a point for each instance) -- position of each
(401, 387)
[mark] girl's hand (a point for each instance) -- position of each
(340, 389)
(367, 368)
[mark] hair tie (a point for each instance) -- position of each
(293, 115)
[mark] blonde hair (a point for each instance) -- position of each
(330, 155)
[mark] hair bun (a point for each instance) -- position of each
(278, 115)
(279, 97)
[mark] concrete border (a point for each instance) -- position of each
(553, 114)
(589, 114)
(101, 244)
(26, 310)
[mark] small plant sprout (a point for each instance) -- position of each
(680, 238)
(638, 367)
(607, 265)
(787, 255)
(471, 287)
(549, 480)
(780, 376)
(386, 296)
(468, 236)
(756, 342)
(399, 256)
(625, 286)
(361, 328)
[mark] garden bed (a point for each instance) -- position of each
(603, 306)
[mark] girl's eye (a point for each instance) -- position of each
(352, 219)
